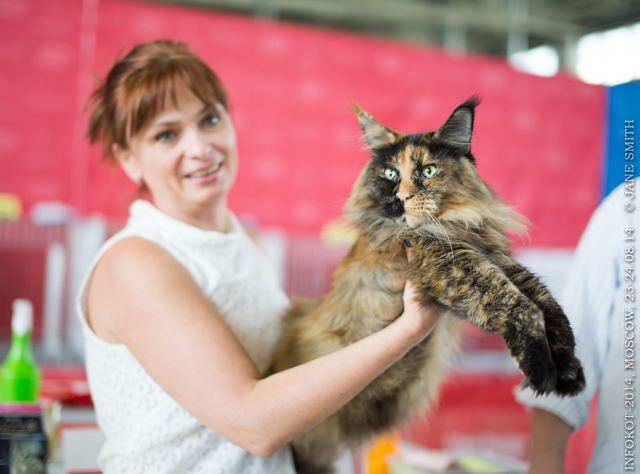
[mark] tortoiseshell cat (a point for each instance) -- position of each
(424, 187)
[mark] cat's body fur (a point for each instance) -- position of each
(460, 262)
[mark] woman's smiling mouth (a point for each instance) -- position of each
(205, 172)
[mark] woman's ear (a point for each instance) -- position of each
(128, 162)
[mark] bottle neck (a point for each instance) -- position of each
(21, 346)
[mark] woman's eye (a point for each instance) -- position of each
(211, 119)
(429, 171)
(165, 136)
(390, 174)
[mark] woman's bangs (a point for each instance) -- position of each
(150, 99)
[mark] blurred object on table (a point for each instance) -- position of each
(412, 459)
(10, 207)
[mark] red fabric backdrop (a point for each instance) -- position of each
(538, 140)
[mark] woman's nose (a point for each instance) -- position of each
(194, 143)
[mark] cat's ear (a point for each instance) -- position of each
(376, 135)
(458, 128)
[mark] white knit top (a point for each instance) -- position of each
(146, 430)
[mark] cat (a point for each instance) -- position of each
(425, 188)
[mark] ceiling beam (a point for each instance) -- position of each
(412, 13)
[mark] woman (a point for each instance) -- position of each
(181, 309)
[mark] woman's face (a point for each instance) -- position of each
(186, 157)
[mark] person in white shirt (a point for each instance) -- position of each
(599, 289)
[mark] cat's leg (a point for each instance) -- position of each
(316, 451)
(570, 375)
(469, 284)
(307, 464)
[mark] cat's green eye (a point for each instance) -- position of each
(390, 174)
(429, 171)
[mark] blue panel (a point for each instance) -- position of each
(624, 105)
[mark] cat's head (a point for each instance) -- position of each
(414, 180)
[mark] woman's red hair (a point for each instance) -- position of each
(137, 86)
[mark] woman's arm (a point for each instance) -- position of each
(149, 302)
(549, 437)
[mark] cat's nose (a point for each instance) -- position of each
(404, 197)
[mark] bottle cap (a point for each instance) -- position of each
(22, 320)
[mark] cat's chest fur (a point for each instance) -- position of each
(373, 280)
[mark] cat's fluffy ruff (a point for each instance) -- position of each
(460, 262)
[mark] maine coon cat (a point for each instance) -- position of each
(424, 187)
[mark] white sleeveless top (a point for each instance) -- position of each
(146, 430)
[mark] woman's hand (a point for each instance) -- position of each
(422, 318)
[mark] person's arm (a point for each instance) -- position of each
(153, 306)
(549, 437)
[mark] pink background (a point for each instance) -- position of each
(538, 140)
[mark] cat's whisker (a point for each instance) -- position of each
(453, 255)
(437, 235)
(444, 231)
(465, 230)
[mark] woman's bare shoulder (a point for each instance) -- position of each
(133, 251)
(128, 273)
(138, 263)
(133, 257)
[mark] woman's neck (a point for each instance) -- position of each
(207, 217)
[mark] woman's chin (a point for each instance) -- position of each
(206, 192)
(209, 196)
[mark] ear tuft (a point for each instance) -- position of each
(458, 129)
(376, 135)
(356, 109)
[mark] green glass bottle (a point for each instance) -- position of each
(19, 374)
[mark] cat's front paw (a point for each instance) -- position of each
(570, 375)
(561, 341)
(537, 365)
